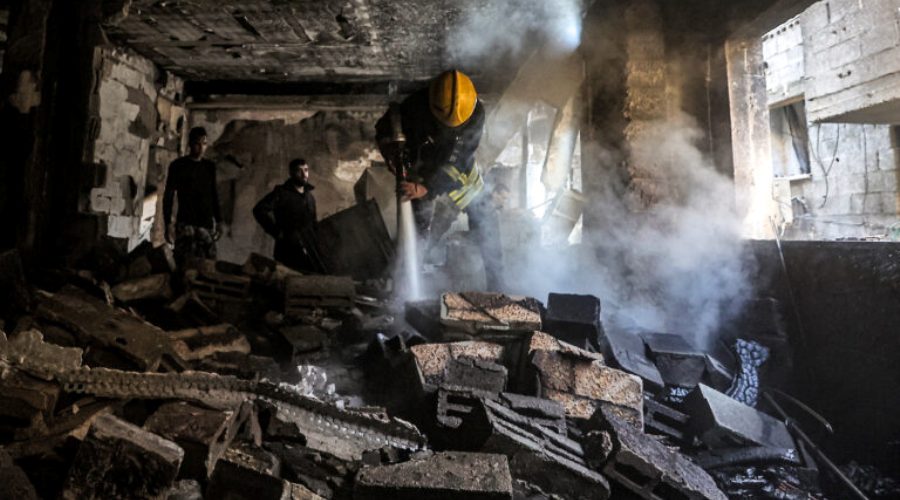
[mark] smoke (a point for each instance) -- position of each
(662, 243)
(502, 29)
(667, 252)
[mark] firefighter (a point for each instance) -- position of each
(441, 127)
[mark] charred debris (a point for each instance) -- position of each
(128, 379)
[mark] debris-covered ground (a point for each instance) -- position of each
(126, 379)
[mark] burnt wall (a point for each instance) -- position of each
(847, 355)
(252, 149)
(140, 118)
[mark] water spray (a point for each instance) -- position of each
(407, 274)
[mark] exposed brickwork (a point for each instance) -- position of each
(829, 56)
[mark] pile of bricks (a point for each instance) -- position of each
(141, 388)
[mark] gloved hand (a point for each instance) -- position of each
(412, 191)
(392, 153)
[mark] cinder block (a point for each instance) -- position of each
(204, 434)
(882, 34)
(434, 362)
(120, 460)
(582, 383)
(816, 17)
(841, 9)
(722, 422)
(842, 53)
(647, 467)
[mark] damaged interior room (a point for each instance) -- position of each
(470, 249)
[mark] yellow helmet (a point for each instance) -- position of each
(452, 98)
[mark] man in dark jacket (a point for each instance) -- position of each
(288, 214)
(192, 180)
(441, 128)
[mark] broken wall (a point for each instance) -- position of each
(851, 187)
(829, 63)
(141, 126)
(252, 148)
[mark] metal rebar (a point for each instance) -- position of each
(793, 427)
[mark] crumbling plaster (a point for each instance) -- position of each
(141, 122)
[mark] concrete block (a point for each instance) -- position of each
(303, 293)
(433, 361)
(320, 473)
(194, 344)
(424, 316)
(574, 319)
(580, 381)
(530, 431)
(883, 181)
(476, 374)
(721, 422)
(478, 313)
(871, 203)
(306, 341)
(138, 343)
(121, 226)
(30, 352)
(882, 34)
(816, 17)
(648, 468)
(202, 433)
(624, 349)
(100, 200)
(454, 407)
(214, 281)
(120, 460)
(549, 460)
(678, 362)
(842, 53)
(26, 405)
(661, 419)
(448, 475)
(231, 481)
(887, 160)
(717, 375)
(251, 457)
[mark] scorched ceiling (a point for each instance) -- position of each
(292, 40)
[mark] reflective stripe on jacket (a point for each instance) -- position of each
(472, 185)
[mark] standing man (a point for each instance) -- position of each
(192, 179)
(288, 214)
(442, 127)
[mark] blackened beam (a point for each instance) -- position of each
(201, 90)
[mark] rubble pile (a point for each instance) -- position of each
(223, 381)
